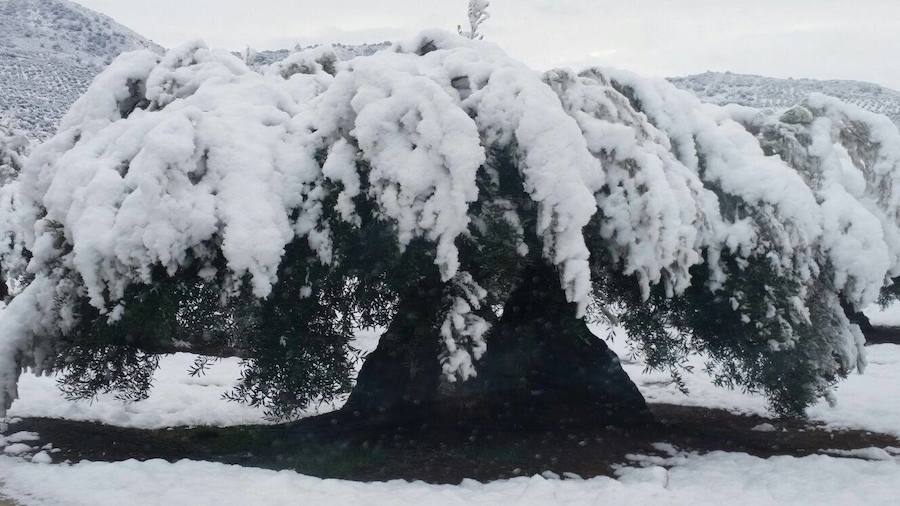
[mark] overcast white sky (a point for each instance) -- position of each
(840, 39)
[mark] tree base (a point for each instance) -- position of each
(543, 367)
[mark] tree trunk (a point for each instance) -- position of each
(543, 367)
(401, 378)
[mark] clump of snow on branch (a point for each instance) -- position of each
(655, 210)
(850, 158)
(513, 107)
(422, 148)
(28, 325)
(808, 192)
(194, 159)
(463, 330)
(14, 146)
(478, 14)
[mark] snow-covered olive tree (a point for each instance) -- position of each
(477, 210)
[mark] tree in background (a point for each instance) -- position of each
(248, 55)
(478, 211)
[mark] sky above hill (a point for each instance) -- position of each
(825, 39)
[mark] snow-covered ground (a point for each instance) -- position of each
(884, 317)
(177, 399)
(866, 401)
(716, 478)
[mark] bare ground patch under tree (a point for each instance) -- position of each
(446, 454)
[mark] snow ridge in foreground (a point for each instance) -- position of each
(717, 478)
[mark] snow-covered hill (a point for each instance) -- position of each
(769, 92)
(50, 50)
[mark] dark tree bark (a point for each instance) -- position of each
(857, 317)
(401, 377)
(544, 364)
(543, 367)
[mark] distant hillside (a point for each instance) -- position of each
(344, 52)
(770, 92)
(50, 50)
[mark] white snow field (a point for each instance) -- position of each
(867, 401)
(177, 399)
(716, 478)
(884, 317)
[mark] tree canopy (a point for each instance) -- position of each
(286, 206)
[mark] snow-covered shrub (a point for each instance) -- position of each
(294, 191)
